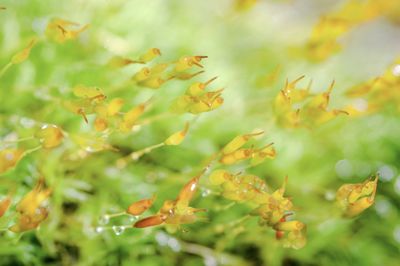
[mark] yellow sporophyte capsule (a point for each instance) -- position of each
(115, 106)
(355, 198)
(260, 155)
(24, 54)
(119, 62)
(100, 124)
(321, 101)
(9, 158)
(130, 117)
(158, 69)
(150, 55)
(236, 156)
(142, 74)
(82, 91)
(239, 141)
(153, 82)
(34, 199)
(60, 30)
(140, 206)
(219, 176)
(289, 226)
(198, 88)
(187, 192)
(50, 136)
(181, 104)
(187, 62)
(177, 137)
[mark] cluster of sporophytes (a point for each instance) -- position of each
(104, 117)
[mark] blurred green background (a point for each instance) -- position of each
(242, 47)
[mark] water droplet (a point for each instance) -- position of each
(162, 238)
(133, 218)
(360, 105)
(396, 70)
(99, 229)
(136, 128)
(383, 207)
(174, 244)
(118, 230)
(397, 185)
(105, 219)
(26, 122)
(396, 234)
(330, 195)
(386, 173)
(205, 193)
(344, 169)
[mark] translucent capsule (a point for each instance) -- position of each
(178, 137)
(50, 136)
(140, 206)
(24, 54)
(150, 55)
(9, 158)
(239, 141)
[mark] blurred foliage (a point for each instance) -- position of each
(253, 47)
